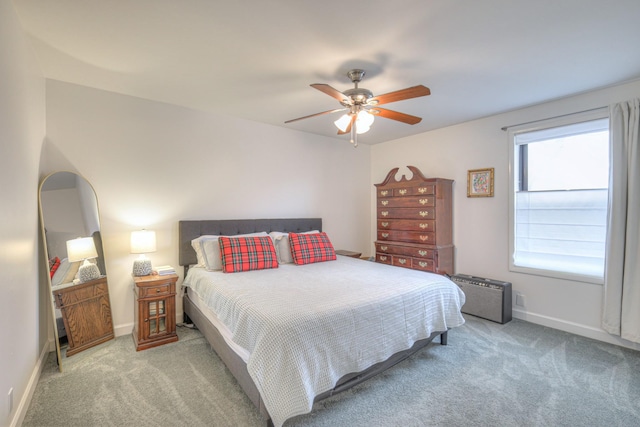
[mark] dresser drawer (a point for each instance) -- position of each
(419, 190)
(411, 251)
(407, 225)
(423, 264)
(407, 213)
(406, 202)
(424, 237)
(384, 258)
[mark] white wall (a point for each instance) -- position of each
(153, 164)
(23, 305)
(481, 224)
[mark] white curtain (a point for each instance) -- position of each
(621, 311)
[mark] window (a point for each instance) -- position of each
(559, 195)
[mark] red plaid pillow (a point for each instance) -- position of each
(247, 253)
(54, 263)
(309, 248)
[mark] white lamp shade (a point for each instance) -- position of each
(80, 249)
(143, 242)
(343, 122)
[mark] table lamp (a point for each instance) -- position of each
(142, 242)
(84, 249)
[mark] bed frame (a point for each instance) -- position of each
(189, 230)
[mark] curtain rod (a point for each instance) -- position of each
(555, 117)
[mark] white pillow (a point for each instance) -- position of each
(196, 244)
(211, 250)
(65, 272)
(283, 248)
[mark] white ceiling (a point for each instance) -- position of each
(256, 59)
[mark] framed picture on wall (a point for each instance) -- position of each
(480, 183)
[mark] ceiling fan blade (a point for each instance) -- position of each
(316, 114)
(348, 129)
(394, 115)
(399, 95)
(332, 92)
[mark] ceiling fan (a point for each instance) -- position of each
(362, 106)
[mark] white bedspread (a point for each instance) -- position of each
(307, 326)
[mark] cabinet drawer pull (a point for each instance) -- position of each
(422, 253)
(385, 235)
(158, 291)
(422, 190)
(424, 238)
(402, 261)
(424, 226)
(423, 201)
(423, 264)
(384, 192)
(384, 224)
(383, 248)
(146, 320)
(424, 213)
(384, 202)
(384, 213)
(402, 192)
(383, 258)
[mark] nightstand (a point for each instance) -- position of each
(86, 313)
(155, 311)
(351, 254)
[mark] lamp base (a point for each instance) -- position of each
(142, 267)
(88, 271)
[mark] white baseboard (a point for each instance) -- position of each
(121, 330)
(25, 401)
(574, 328)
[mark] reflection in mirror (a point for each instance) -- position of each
(75, 260)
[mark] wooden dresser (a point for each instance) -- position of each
(86, 313)
(414, 222)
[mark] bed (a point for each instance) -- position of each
(287, 337)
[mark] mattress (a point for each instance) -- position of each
(304, 327)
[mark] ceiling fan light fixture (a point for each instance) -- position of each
(365, 119)
(343, 122)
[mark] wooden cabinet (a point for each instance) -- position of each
(86, 313)
(155, 311)
(414, 222)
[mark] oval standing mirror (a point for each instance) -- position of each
(77, 276)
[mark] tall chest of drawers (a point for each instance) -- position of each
(414, 222)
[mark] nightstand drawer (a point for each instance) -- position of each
(154, 291)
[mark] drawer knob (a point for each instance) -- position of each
(146, 320)
(384, 202)
(158, 291)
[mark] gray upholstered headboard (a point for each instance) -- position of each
(189, 230)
